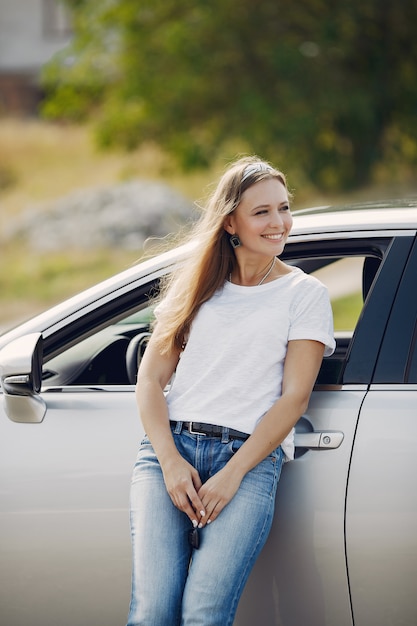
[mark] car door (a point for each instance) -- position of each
(381, 510)
(301, 576)
(64, 555)
(64, 485)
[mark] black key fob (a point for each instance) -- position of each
(194, 538)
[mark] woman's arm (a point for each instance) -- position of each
(181, 479)
(301, 368)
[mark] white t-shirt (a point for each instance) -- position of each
(230, 372)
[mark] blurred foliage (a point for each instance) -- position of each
(326, 88)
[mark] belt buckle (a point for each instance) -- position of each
(194, 432)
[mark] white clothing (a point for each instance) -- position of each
(230, 372)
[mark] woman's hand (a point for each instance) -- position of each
(183, 482)
(217, 492)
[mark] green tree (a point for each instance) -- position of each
(325, 86)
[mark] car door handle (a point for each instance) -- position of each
(319, 440)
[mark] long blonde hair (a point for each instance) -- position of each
(212, 258)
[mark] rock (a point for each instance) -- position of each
(121, 216)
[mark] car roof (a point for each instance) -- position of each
(384, 215)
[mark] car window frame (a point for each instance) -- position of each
(397, 360)
(90, 319)
(369, 333)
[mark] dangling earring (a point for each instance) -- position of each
(235, 241)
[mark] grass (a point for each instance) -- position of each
(346, 311)
(47, 277)
(34, 282)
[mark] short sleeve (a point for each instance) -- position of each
(312, 317)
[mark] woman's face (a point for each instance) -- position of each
(262, 219)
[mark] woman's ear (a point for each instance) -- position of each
(227, 225)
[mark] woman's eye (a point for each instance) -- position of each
(285, 207)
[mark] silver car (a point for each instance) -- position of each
(343, 547)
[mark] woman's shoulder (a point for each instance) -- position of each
(298, 287)
(300, 276)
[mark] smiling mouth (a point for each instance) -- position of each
(273, 237)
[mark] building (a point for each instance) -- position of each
(31, 32)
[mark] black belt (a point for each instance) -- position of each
(197, 428)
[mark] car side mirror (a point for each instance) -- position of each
(21, 379)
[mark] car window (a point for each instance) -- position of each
(343, 278)
(105, 357)
(349, 278)
(110, 356)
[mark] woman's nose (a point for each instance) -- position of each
(276, 218)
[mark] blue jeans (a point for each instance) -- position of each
(174, 584)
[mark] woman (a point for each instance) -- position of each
(245, 335)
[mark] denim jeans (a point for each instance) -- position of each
(174, 584)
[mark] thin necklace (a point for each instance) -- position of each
(268, 272)
(264, 277)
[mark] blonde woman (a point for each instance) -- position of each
(245, 334)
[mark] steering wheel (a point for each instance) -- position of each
(134, 353)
